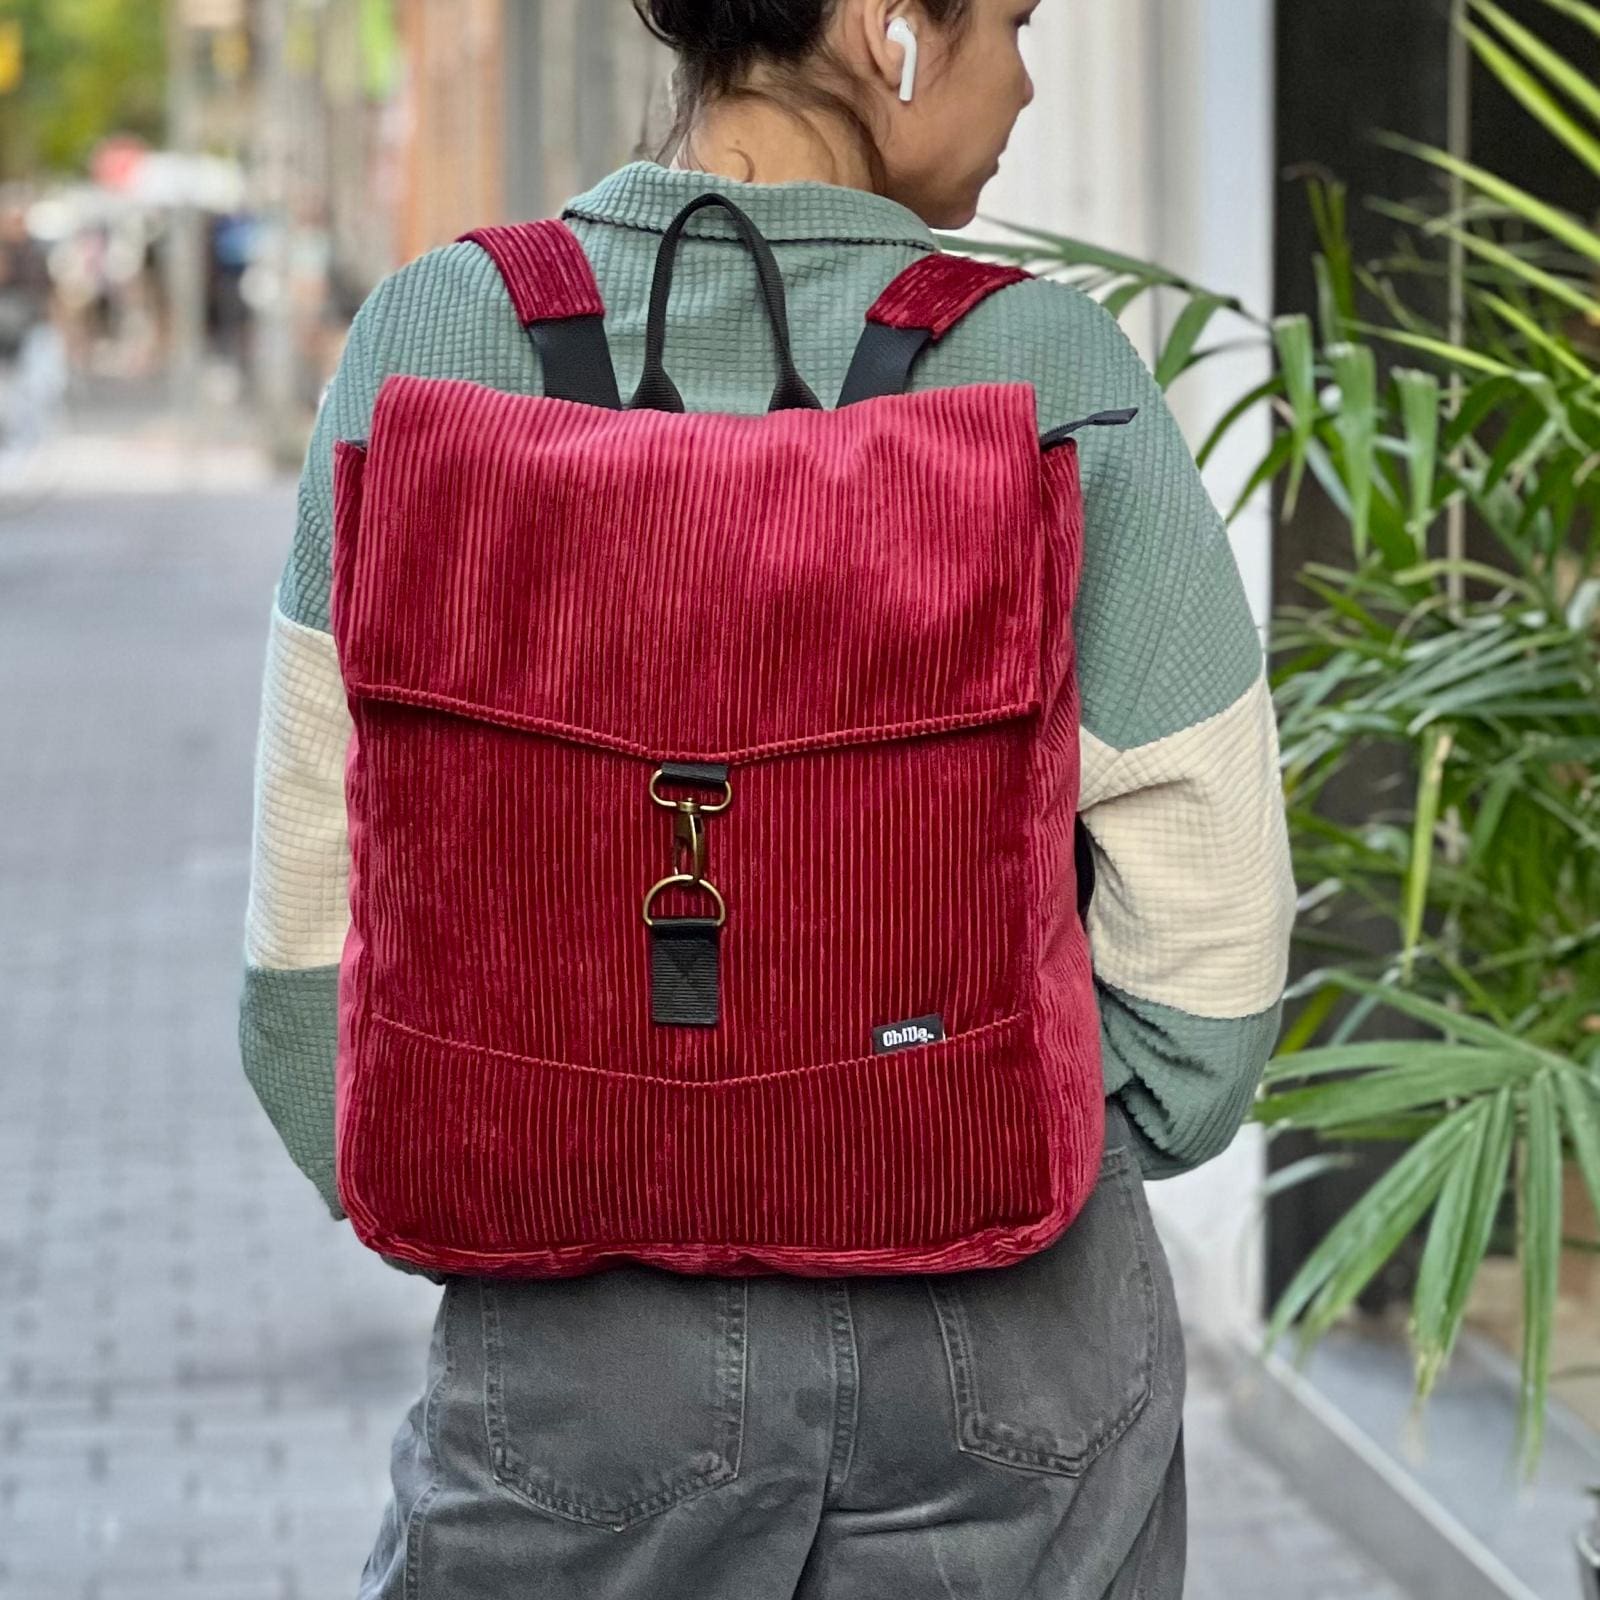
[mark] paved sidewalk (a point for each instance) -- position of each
(199, 1373)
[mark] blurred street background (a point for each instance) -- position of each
(199, 1373)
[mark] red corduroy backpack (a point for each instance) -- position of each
(717, 889)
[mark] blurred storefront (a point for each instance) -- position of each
(386, 127)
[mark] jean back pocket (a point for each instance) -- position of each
(1052, 1358)
(611, 1398)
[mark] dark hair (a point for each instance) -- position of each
(718, 42)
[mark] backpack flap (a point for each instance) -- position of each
(701, 587)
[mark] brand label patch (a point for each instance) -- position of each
(904, 1035)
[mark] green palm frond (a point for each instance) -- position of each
(1460, 1022)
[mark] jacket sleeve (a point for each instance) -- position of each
(1181, 792)
(298, 909)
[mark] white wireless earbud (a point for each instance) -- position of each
(903, 34)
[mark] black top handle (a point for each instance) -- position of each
(656, 390)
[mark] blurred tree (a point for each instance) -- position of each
(88, 68)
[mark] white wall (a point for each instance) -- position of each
(1151, 132)
(1216, 224)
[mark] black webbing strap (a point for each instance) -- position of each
(918, 307)
(1101, 419)
(882, 362)
(576, 360)
(555, 296)
(685, 975)
(657, 391)
(695, 774)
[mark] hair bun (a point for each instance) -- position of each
(725, 27)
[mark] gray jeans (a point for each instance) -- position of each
(637, 1435)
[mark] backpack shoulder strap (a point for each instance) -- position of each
(919, 306)
(556, 298)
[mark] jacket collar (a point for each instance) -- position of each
(646, 195)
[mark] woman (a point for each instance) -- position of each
(1010, 1434)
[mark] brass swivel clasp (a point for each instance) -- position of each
(690, 855)
(689, 840)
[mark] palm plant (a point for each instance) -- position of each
(1480, 885)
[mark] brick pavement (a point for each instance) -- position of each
(199, 1374)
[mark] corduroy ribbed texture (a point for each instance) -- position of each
(868, 613)
(663, 589)
(544, 268)
(938, 291)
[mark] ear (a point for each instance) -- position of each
(885, 56)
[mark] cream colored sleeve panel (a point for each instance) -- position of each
(1194, 894)
(300, 859)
